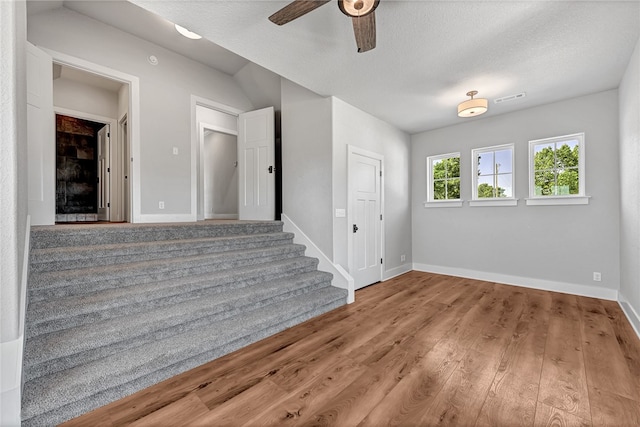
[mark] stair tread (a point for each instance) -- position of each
(46, 255)
(51, 309)
(61, 388)
(106, 332)
(89, 235)
(97, 274)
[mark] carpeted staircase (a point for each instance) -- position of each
(116, 308)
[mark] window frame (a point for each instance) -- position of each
(441, 202)
(492, 201)
(566, 199)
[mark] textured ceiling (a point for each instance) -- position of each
(148, 26)
(428, 54)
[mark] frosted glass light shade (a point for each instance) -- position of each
(355, 8)
(472, 107)
(188, 34)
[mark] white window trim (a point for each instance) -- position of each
(430, 202)
(558, 200)
(493, 201)
(577, 199)
(455, 203)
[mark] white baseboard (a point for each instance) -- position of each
(526, 282)
(160, 218)
(397, 271)
(11, 381)
(341, 279)
(221, 216)
(630, 312)
(10, 408)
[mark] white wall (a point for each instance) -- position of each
(220, 175)
(307, 163)
(85, 98)
(165, 97)
(13, 203)
(352, 126)
(261, 86)
(556, 247)
(629, 93)
(315, 134)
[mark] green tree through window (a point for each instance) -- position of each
(446, 178)
(486, 191)
(556, 168)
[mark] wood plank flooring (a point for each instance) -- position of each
(418, 350)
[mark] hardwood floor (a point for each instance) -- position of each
(418, 350)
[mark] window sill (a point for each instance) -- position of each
(443, 204)
(494, 202)
(558, 200)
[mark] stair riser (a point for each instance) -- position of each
(81, 285)
(159, 331)
(38, 324)
(96, 235)
(99, 257)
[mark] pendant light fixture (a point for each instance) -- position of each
(472, 107)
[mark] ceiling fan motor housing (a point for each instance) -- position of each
(357, 8)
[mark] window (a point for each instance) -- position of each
(556, 170)
(443, 177)
(493, 176)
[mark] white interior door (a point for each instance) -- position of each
(366, 219)
(41, 144)
(104, 171)
(256, 156)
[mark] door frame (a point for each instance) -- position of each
(197, 149)
(351, 151)
(124, 157)
(113, 143)
(102, 182)
(133, 119)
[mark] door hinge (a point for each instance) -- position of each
(108, 170)
(380, 173)
(108, 205)
(108, 134)
(380, 217)
(380, 260)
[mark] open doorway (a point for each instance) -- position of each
(78, 173)
(92, 149)
(220, 175)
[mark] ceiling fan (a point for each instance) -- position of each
(361, 13)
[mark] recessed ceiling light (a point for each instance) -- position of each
(188, 34)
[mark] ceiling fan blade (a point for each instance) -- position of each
(364, 28)
(294, 10)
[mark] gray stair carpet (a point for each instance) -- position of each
(114, 309)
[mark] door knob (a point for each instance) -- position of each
(355, 228)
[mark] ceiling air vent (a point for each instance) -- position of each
(509, 98)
